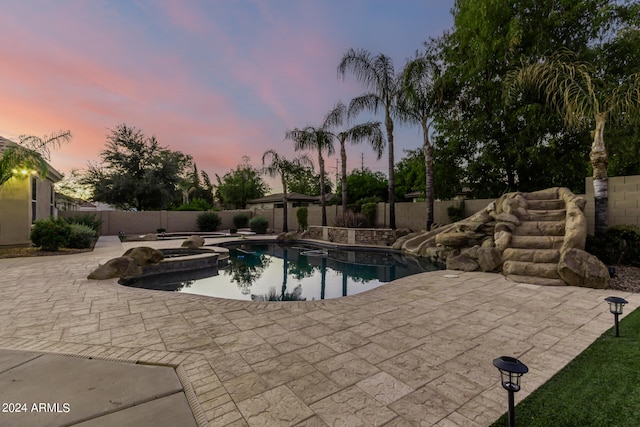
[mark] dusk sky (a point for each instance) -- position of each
(215, 79)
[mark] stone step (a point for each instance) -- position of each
(535, 280)
(531, 255)
(540, 228)
(547, 270)
(547, 215)
(536, 242)
(545, 204)
(548, 194)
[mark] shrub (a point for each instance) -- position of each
(240, 220)
(50, 234)
(259, 225)
(81, 236)
(618, 245)
(208, 221)
(161, 230)
(89, 220)
(195, 205)
(351, 220)
(456, 213)
(302, 215)
(369, 212)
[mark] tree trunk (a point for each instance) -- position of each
(599, 161)
(427, 149)
(323, 203)
(392, 200)
(343, 158)
(285, 220)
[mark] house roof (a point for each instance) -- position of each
(292, 197)
(53, 175)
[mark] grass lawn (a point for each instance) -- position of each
(600, 387)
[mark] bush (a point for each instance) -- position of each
(456, 213)
(302, 215)
(195, 205)
(89, 220)
(240, 220)
(259, 225)
(618, 245)
(81, 236)
(351, 220)
(50, 234)
(208, 221)
(369, 212)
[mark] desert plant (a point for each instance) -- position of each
(259, 225)
(369, 211)
(208, 221)
(240, 220)
(351, 220)
(90, 220)
(456, 213)
(50, 234)
(81, 236)
(302, 215)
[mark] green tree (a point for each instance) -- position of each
(281, 167)
(584, 95)
(377, 74)
(239, 185)
(319, 139)
(136, 172)
(369, 131)
(504, 148)
(366, 186)
(29, 153)
(305, 181)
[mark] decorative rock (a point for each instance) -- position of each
(150, 236)
(455, 239)
(471, 252)
(580, 268)
(505, 226)
(144, 255)
(289, 235)
(502, 240)
(461, 263)
(123, 267)
(507, 217)
(489, 259)
(193, 242)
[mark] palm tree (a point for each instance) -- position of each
(378, 76)
(366, 131)
(422, 94)
(580, 94)
(311, 138)
(30, 152)
(283, 168)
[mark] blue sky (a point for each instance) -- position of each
(214, 79)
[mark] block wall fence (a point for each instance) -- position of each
(624, 208)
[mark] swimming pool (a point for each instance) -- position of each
(292, 272)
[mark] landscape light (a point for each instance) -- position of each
(511, 369)
(615, 307)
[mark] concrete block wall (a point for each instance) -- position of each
(624, 201)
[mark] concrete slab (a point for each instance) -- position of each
(57, 390)
(11, 359)
(168, 411)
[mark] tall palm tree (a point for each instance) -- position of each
(356, 134)
(377, 74)
(30, 152)
(279, 166)
(312, 138)
(422, 93)
(576, 90)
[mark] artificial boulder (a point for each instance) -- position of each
(289, 235)
(144, 255)
(462, 263)
(455, 239)
(489, 259)
(124, 267)
(193, 242)
(580, 268)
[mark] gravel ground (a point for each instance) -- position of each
(626, 279)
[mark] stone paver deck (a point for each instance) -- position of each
(417, 351)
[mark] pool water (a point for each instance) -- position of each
(283, 272)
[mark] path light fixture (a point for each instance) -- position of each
(615, 307)
(511, 369)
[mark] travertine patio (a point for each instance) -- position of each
(417, 351)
